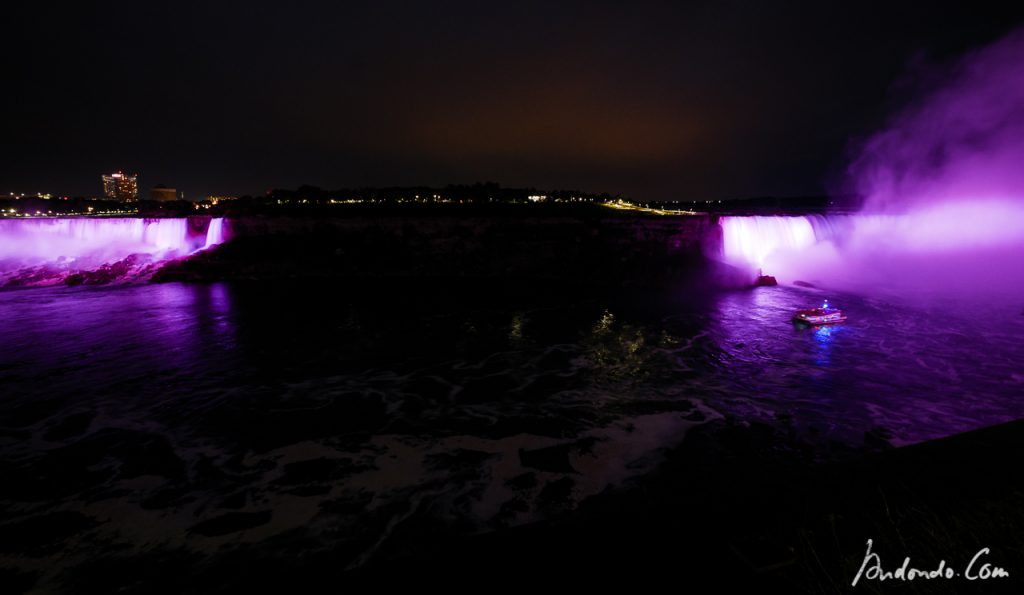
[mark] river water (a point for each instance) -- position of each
(209, 418)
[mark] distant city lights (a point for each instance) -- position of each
(621, 204)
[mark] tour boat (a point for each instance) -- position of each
(823, 315)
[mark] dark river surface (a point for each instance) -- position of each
(181, 420)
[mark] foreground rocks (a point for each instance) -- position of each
(747, 507)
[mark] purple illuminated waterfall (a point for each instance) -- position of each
(953, 248)
(943, 192)
(789, 248)
(215, 233)
(763, 242)
(48, 250)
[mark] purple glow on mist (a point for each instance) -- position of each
(963, 141)
(943, 188)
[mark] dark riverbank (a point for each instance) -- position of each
(593, 247)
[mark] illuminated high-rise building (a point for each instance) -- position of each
(121, 186)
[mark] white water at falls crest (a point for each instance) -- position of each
(772, 244)
(751, 241)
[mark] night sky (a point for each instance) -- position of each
(652, 100)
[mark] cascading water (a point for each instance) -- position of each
(946, 248)
(49, 250)
(214, 233)
(775, 245)
(752, 241)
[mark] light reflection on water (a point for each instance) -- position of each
(107, 342)
(920, 370)
(825, 335)
(748, 357)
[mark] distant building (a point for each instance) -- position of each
(121, 186)
(161, 192)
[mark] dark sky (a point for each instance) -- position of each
(660, 100)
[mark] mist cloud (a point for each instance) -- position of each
(963, 140)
